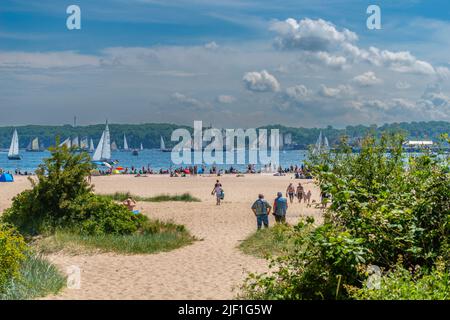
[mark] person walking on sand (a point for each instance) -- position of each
(261, 208)
(290, 192)
(300, 192)
(218, 191)
(307, 198)
(280, 206)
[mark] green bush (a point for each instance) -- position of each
(94, 215)
(62, 199)
(402, 284)
(386, 210)
(12, 253)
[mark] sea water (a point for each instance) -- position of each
(153, 158)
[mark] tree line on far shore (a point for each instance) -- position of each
(149, 134)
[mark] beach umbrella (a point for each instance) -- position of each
(120, 168)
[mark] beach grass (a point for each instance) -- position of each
(121, 196)
(274, 241)
(156, 237)
(38, 278)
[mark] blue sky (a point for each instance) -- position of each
(235, 62)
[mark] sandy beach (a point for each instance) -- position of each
(211, 268)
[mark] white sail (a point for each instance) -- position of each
(35, 144)
(14, 148)
(91, 145)
(84, 143)
(67, 143)
(125, 143)
(114, 146)
(163, 145)
(75, 142)
(103, 151)
(326, 144)
(142, 147)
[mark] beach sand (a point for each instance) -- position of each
(211, 268)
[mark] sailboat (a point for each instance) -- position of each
(114, 146)
(103, 151)
(75, 142)
(91, 146)
(34, 146)
(125, 143)
(67, 143)
(84, 143)
(142, 147)
(163, 146)
(321, 145)
(13, 153)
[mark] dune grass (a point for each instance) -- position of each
(38, 278)
(121, 196)
(274, 241)
(156, 237)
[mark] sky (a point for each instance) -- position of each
(229, 63)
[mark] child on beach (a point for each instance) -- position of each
(218, 191)
(307, 198)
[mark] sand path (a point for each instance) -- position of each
(211, 268)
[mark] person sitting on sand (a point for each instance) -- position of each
(280, 206)
(130, 204)
(261, 208)
(290, 192)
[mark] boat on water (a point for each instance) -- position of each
(67, 143)
(114, 146)
(322, 145)
(142, 147)
(163, 146)
(34, 146)
(135, 152)
(13, 153)
(103, 151)
(125, 144)
(91, 146)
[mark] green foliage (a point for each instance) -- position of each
(386, 210)
(155, 236)
(121, 196)
(62, 199)
(402, 284)
(37, 278)
(12, 253)
(267, 242)
(61, 180)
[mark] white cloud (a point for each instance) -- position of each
(310, 35)
(62, 59)
(341, 91)
(367, 79)
(324, 58)
(402, 85)
(298, 93)
(189, 101)
(226, 99)
(211, 45)
(261, 82)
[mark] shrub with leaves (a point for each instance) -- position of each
(12, 254)
(385, 205)
(62, 199)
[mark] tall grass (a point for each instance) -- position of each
(273, 241)
(38, 278)
(156, 237)
(121, 196)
